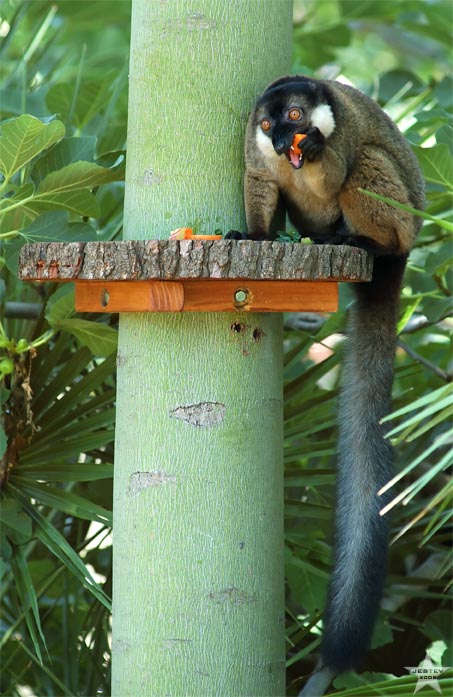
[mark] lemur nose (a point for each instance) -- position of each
(279, 144)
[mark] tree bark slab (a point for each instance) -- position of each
(192, 259)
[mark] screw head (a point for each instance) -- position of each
(241, 297)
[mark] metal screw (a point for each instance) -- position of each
(241, 296)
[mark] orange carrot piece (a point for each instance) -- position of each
(186, 233)
(181, 233)
(204, 237)
(296, 140)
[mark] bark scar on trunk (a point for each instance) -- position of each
(144, 480)
(204, 414)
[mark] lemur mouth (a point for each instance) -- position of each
(294, 154)
(294, 159)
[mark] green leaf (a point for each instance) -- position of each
(68, 188)
(436, 308)
(396, 80)
(78, 175)
(27, 594)
(65, 472)
(66, 152)
(436, 398)
(52, 226)
(19, 193)
(445, 224)
(20, 211)
(60, 406)
(61, 305)
(50, 391)
(97, 428)
(101, 339)
(407, 314)
(3, 441)
(24, 137)
(307, 583)
(444, 416)
(54, 451)
(92, 97)
(437, 165)
(57, 545)
(17, 524)
(13, 215)
(437, 625)
(422, 457)
(353, 680)
(54, 541)
(65, 501)
(439, 262)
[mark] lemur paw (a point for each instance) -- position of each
(313, 145)
(236, 235)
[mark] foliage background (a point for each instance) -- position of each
(65, 65)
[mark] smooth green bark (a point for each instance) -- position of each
(198, 605)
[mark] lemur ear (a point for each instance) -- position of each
(322, 117)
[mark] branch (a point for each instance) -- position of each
(444, 375)
(418, 322)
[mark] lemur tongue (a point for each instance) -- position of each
(295, 159)
(295, 153)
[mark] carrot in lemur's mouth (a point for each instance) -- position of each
(295, 153)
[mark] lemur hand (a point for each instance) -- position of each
(313, 145)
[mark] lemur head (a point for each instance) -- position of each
(288, 106)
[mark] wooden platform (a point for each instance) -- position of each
(197, 276)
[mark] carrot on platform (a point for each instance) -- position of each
(186, 233)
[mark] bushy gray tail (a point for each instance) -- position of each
(365, 465)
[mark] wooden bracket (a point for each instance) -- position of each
(206, 296)
(197, 275)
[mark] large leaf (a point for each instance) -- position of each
(101, 339)
(66, 152)
(91, 98)
(67, 188)
(55, 227)
(21, 211)
(75, 176)
(23, 138)
(437, 165)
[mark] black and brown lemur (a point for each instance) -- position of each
(349, 144)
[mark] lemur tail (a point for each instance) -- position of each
(365, 465)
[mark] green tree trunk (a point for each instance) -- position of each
(198, 605)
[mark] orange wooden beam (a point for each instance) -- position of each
(206, 295)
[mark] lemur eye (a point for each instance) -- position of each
(294, 114)
(265, 125)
